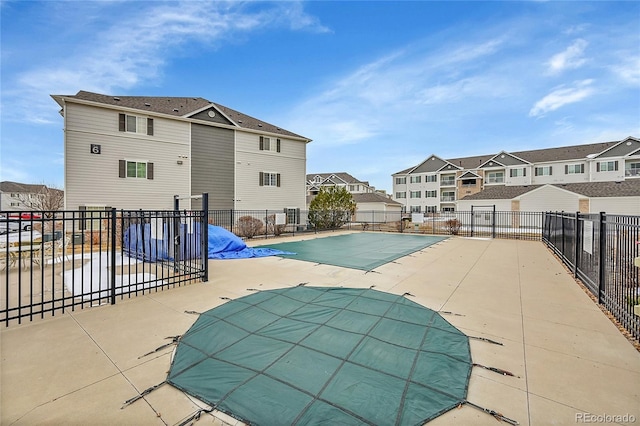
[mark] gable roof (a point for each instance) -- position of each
(629, 188)
(346, 177)
(374, 197)
(15, 187)
(178, 107)
(544, 155)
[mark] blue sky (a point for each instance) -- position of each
(378, 86)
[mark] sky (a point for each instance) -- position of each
(378, 86)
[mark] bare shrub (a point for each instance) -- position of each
(272, 228)
(248, 227)
(453, 226)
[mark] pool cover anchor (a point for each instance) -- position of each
(495, 414)
(174, 341)
(141, 395)
(195, 417)
(496, 370)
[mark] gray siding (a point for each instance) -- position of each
(621, 149)
(218, 118)
(212, 165)
(508, 160)
(433, 164)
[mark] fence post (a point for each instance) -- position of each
(204, 247)
(576, 251)
(493, 222)
(472, 220)
(231, 220)
(602, 244)
(112, 277)
(564, 257)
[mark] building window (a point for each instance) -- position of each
(415, 209)
(543, 171)
(448, 196)
(415, 179)
(415, 194)
(135, 169)
(448, 209)
(518, 172)
(269, 144)
(431, 178)
(632, 169)
(607, 166)
(401, 180)
(402, 194)
(13, 204)
(136, 124)
(431, 194)
(495, 177)
(468, 182)
(432, 209)
(91, 217)
(269, 179)
(353, 188)
(571, 169)
(448, 181)
(14, 195)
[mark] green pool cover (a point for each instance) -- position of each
(315, 355)
(366, 250)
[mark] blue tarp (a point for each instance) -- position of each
(138, 242)
(226, 245)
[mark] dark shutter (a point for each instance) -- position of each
(566, 170)
(149, 170)
(261, 143)
(615, 167)
(121, 122)
(261, 173)
(122, 168)
(597, 167)
(278, 177)
(278, 145)
(150, 126)
(297, 216)
(83, 215)
(524, 172)
(581, 168)
(550, 170)
(535, 172)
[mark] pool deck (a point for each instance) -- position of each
(573, 365)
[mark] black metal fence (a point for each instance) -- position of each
(601, 250)
(475, 223)
(66, 260)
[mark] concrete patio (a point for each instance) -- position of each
(573, 364)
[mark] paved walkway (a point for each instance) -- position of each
(572, 363)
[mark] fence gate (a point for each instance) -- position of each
(483, 220)
(190, 236)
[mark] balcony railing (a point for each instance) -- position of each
(632, 172)
(448, 182)
(448, 198)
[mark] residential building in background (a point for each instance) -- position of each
(588, 172)
(137, 152)
(20, 197)
(371, 205)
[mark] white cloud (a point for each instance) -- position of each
(133, 49)
(399, 87)
(571, 58)
(562, 96)
(629, 70)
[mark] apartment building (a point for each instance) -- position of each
(437, 184)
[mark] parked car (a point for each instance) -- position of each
(7, 226)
